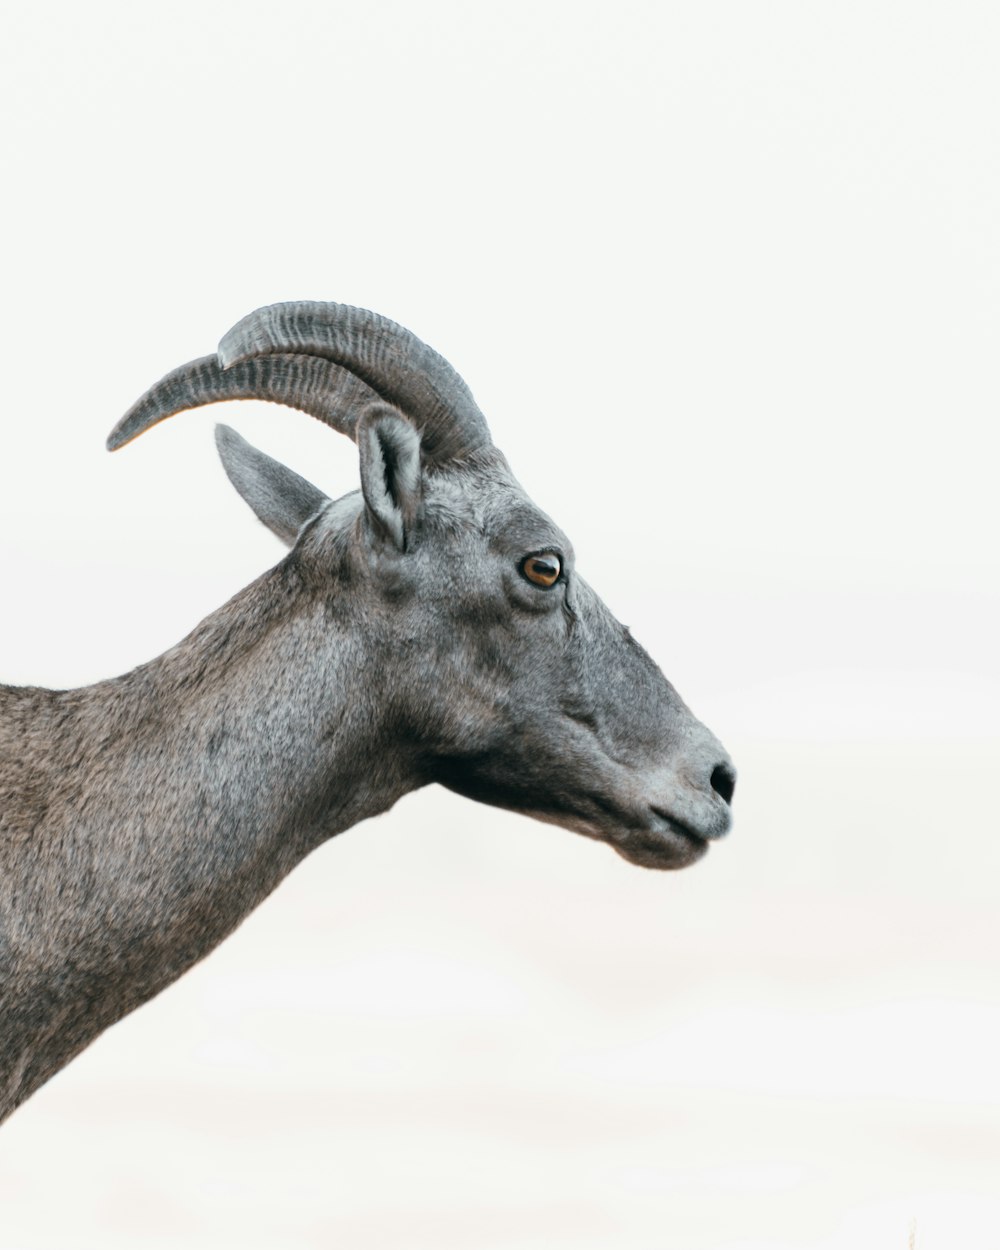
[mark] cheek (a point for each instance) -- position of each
(471, 647)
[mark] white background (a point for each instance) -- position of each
(724, 277)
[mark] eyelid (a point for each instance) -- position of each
(545, 551)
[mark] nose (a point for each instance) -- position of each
(708, 769)
(723, 781)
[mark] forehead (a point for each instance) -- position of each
(519, 525)
(495, 504)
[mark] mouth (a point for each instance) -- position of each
(667, 843)
(654, 839)
(650, 837)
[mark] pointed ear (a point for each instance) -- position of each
(389, 448)
(280, 498)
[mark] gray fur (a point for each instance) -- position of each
(397, 644)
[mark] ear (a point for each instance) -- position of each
(389, 448)
(280, 498)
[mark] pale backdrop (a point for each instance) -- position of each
(724, 277)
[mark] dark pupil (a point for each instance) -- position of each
(545, 568)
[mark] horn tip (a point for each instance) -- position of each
(117, 438)
(229, 355)
(248, 337)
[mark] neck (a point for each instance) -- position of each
(145, 817)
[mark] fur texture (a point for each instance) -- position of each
(399, 643)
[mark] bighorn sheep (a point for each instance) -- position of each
(431, 627)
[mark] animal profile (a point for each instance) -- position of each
(429, 627)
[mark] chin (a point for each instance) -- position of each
(664, 851)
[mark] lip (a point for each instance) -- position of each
(663, 822)
(650, 836)
(679, 838)
(665, 842)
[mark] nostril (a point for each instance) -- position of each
(723, 782)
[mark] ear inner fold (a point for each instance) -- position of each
(389, 449)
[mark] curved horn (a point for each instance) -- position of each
(394, 362)
(318, 387)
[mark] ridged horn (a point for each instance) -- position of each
(319, 387)
(393, 361)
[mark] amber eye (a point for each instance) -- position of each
(543, 569)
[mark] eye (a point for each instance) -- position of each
(543, 570)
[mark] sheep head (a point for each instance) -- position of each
(501, 674)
